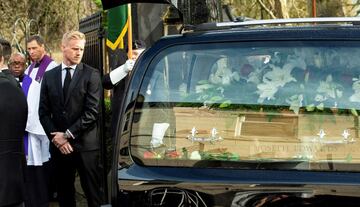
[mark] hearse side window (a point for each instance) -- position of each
(263, 105)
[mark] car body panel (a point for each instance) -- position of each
(213, 183)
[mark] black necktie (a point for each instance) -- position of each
(67, 82)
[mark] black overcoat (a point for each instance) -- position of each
(13, 117)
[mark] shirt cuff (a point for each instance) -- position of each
(69, 134)
(118, 74)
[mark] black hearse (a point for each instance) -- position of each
(255, 113)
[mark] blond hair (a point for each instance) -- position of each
(73, 35)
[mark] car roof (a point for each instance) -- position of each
(284, 22)
(334, 28)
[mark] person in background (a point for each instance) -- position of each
(5, 56)
(117, 80)
(17, 65)
(35, 140)
(41, 62)
(13, 113)
(69, 112)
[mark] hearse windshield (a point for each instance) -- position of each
(251, 105)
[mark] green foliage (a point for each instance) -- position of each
(225, 156)
(267, 9)
(107, 102)
(98, 3)
(51, 19)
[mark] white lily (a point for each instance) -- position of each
(356, 87)
(320, 98)
(266, 91)
(272, 81)
(329, 88)
(279, 76)
(224, 76)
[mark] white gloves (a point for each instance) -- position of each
(128, 66)
(121, 72)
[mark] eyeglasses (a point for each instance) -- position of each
(17, 63)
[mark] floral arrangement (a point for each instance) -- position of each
(313, 79)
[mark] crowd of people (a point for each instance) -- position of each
(51, 129)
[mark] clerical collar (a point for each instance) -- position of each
(37, 63)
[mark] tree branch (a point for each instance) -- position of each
(266, 9)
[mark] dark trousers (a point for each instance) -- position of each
(87, 165)
(36, 186)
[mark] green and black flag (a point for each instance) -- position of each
(118, 26)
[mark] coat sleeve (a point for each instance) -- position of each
(45, 108)
(106, 82)
(115, 76)
(91, 106)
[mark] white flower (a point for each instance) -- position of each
(224, 76)
(295, 102)
(329, 88)
(272, 81)
(355, 97)
(195, 155)
(356, 87)
(356, 84)
(214, 79)
(279, 76)
(226, 80)
(266, 91)
(320, 98)
(254, 77)
(201, 88)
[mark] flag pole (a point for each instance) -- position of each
(129, 33)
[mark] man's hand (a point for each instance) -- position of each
(59, 139)
(66, 148)
(129, 65)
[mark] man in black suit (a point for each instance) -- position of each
(4, 59)
(69, 110)
(13, 113)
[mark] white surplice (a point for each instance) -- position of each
(38, 142)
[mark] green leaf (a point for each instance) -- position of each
(310, 107)
(348, 157)
(215, 99)
(320, 106)
(354, 112)
(225, 104)
(203, 82)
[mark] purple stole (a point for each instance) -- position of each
(43, 65)
(25, 87)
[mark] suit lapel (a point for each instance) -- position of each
(74, 80)
(58, 82)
